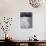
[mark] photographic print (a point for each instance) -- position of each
(25, 20)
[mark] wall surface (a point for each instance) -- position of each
(12, 8)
